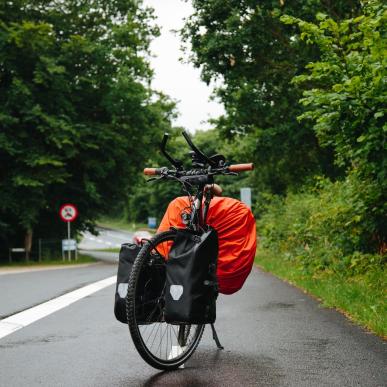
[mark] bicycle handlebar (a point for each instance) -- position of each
(230, 168)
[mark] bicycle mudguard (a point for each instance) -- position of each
(191, 283)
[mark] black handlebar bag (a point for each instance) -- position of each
(149, 287)
(191, 283)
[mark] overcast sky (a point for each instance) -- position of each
(180, 81)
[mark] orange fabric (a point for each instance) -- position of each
(235, 225)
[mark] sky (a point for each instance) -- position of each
(180, 81)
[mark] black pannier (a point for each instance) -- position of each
(191, 282)
(128, 254)
(149, 287)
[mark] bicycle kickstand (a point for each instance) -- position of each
(215, 337)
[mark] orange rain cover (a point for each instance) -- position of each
(235, 225)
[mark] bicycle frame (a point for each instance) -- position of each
(199, 210)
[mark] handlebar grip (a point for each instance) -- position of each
(151, 171)
(241, 167)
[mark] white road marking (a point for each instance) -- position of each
(20, 320)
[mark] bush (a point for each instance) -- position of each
(328, 228)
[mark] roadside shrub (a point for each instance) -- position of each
(328, 228)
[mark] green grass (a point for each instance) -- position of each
(362, 298)
(121, 224)
(81, 259)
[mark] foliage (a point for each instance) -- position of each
(244, 45)
(75, 105)
(331, 240)
(326, 230)
(345, 98)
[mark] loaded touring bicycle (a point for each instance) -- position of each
(167, 288)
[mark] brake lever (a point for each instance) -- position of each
(155, 178)
(230, 173)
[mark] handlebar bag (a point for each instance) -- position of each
(235, 225)
(191, 283)
(149, 286)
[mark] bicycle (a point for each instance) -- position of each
(162, 345)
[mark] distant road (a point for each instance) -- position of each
(273, 334)
(106, 239)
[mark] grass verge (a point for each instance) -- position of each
(362, 298)
(81, 259)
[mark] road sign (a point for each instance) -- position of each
(68, 212)
(246, 196)
(69, 244)
(152, 222)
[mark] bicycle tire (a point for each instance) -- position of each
(187, 337)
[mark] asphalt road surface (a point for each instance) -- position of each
(106, 239)
(273, 334)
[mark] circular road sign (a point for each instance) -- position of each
(68, 212)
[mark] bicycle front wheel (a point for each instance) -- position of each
(162, 345)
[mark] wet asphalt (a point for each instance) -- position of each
(273, 334)
(23, 290)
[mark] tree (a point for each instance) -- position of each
(76, 109)
(345, 99)
(243, 44)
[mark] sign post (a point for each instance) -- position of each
(246, 196)
(68, 213)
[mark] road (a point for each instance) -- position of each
(273, 334)
(106, 239)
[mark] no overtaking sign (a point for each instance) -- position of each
(68, 212)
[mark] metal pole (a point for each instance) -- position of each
(40, 250)
(68, 237)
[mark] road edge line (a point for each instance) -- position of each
(22, 319)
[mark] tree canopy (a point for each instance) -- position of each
(345, 99)
(244, 44)
(76, 108)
